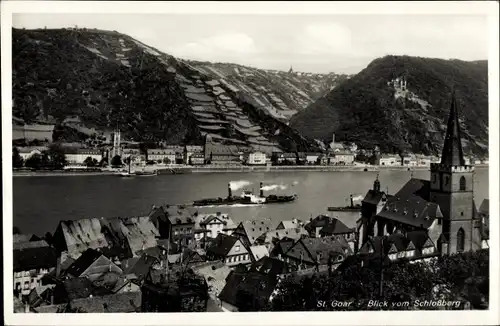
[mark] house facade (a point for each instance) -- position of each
(79, 155)
(32, 260)
(388, 160)
(190, 150)
(162, 155)
(229, 249)
(255, 158)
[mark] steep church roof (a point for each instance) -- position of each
(452, 149)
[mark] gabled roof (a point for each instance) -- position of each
(259, 252)
(485, 207)
(420, 239)
(291, 224)
(83, 262)
(336, 227)
(282, 246)
(79, 287)
(140, 267)
(255, 228)
(34, 258)
(292, 233)
(222, 244)
(374, 197)
(310, 249)
(30, 244)
(411, 205)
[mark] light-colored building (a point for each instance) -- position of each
(229, 249)
(135, 153)
(79, 155)
(312, 158)
(255, 158)
(160, 155)
(343, 157)
(410, 160)
(27, 152)
(388, 160)
(32, 260)
(189, 150)
(31, 132)
(196, 159)
(217, 223)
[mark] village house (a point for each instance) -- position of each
(279, 158)
(135, 155)
(79, 155)
(271, 237)
(160, 155)
(312, 158)
(229, 249)
(413, 246)
(197, 159)
(190, 150)
(258, 252)
(32, 260)
(162, 292)
(92, 264)
(388, 160)
(341, 157)
(255, 158)
(27, 152)
(251, 290)
(182, 221)
(216, 153)
(334, 147)
(117, 238)
(136, 268)
(290, 224)
(217, 223)
(248, 231)
(30, 132)
(409, 160)
(328, 226)
(316, 254)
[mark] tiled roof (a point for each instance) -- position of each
(83, 262)
(373, 197)
(411, 205)
(140, 267)
(34, 258)
(291, 224)
(335, 227)
(84, 234)
(120, 302)
(255, 228)
(21, 237)
(259, 252)
(282, 246)
(222, 244)
(140, 233)
(30, 244)
(313, 247)
(418, 238)
(485, 207)
(292, 233)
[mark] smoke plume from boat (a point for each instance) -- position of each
(357, 197)
(236, 185)
(273, 187)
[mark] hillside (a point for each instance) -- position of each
(281, 93)
(91, 81)
(374, 107)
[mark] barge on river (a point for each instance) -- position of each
(247, 197)
(350, 208)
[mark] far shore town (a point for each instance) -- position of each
(178, 259)
(34, 150)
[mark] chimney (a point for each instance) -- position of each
(229, 192)
(261, 190)
(352, 201)
(333, 138)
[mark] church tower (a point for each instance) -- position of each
(452, 188)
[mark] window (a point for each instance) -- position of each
(460, 240)
(237, 248)
(26, 285)
(461, 213)
(462, 183)
(18, 286)
(446, 180)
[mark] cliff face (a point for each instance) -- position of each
(90, 81)
(402, 103)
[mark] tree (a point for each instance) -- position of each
(54, 157)
(17, 160)
(116, 161)
(166, 160)
(89, 162)
(34, 161)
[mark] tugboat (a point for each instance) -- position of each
(350, 208)
(247, 197)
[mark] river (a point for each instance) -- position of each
(41, 202)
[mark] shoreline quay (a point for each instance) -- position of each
(238, 169)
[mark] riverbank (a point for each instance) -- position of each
(238, 169)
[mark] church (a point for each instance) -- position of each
(442, 207)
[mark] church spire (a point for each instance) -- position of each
(452, 149)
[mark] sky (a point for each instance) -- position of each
(308, 43)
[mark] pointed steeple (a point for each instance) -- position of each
(452, 150)
(376, 184)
